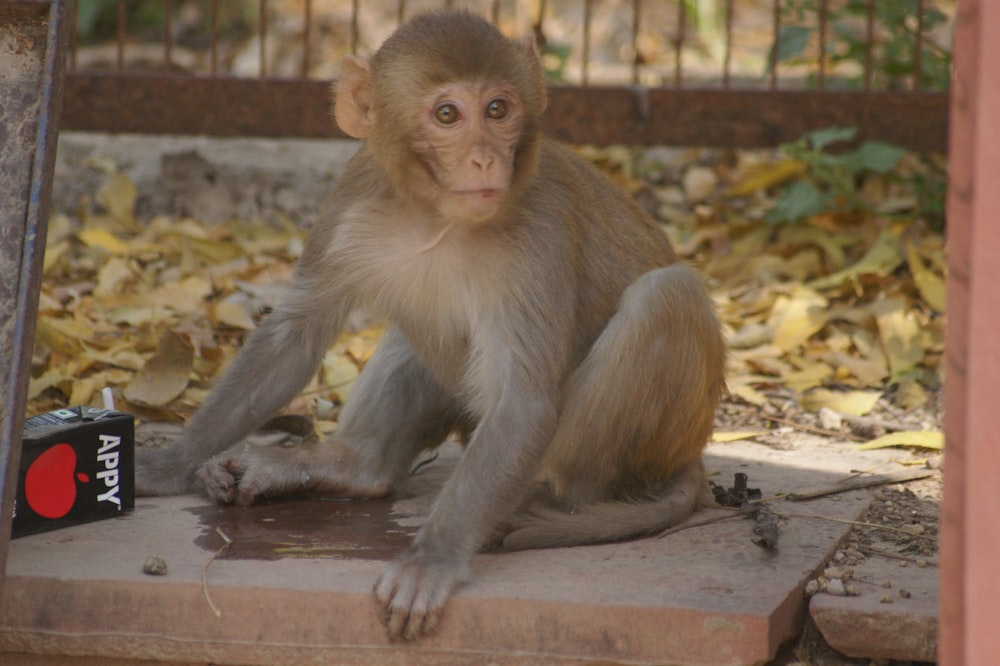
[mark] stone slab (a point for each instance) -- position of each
(705, 595)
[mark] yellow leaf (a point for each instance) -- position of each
(37, 385)
(929, 284)
(232, 312)
(83, 389)
(882, 258)
(899, 332)
(796, 317)
(749, 336)
(801, 234)
(766, 176)
(910, 395)
(924, 439)
(53, 253)
(62, 335)
(747, 393)
(870, 372)
(854, 403)
(102, 239)
(809, 375)
(736, 435)
(339, 373)
(112, 275)
(118, 194)
(185, 297)
(165, 375)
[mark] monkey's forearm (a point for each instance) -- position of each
(497, 468)
(256, 385)
(277, 361)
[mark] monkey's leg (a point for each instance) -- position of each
(395, 411)
(626, 457)
(278, 359)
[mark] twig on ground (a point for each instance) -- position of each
(204, 572)
(813, 429)
(858, 483)
(867, 550)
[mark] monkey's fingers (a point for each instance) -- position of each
(219, 479)
(412, 596)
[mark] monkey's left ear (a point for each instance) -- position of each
(530, 46)
(352, 106)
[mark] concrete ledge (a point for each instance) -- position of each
(705, 595)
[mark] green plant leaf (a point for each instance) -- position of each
(792, 41)
(820, 139)
(880, 157)
(799, 201)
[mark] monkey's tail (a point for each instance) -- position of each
(537, 527)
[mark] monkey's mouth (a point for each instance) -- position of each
(484, 194)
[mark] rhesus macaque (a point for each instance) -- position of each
(532, 304)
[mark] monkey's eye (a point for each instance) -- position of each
(497, 109)
(446, 114)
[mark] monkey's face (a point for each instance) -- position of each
(465, 142)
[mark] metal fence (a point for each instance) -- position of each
(693, 72)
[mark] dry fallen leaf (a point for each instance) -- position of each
(165, 375)
(853, 403)
(924, 439)
(900, 334)
(797, 317)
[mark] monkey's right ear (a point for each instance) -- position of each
(352, 105)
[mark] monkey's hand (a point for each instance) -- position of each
(246, 473)
(412, 592)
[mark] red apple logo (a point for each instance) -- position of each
(49, 485)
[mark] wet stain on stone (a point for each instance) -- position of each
(321, 528)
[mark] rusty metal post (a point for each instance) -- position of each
(33, 36)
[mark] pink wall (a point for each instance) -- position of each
(970, 579)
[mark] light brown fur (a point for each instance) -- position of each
(533, 304)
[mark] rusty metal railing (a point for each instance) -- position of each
(671, 79)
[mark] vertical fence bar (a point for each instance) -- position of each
(727, 55)
(214, 39)
(306, 32)
(588, 8)
(869, 44)
(679, 43)
(262, 27)
(400, 12)
(918, 47)
(120, 39)
(72, 37)
(636, 24)
(821, 59)
(775, 33)
(495, 12)
(354, 26)
(168, 33)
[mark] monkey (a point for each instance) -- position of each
(531, 303)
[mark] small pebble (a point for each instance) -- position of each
(885, 599)
(836, 587)
(812, 587)
(154, 566)
(887, 584)
(853, 590)
(905, 594)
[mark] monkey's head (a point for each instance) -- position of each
(451, 110)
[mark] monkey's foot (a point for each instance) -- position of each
(412, 592)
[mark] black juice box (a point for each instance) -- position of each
(77, 465)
